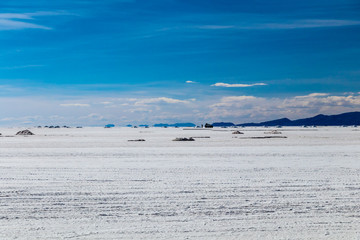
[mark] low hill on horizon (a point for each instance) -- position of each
(346, 119)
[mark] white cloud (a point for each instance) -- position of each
(232, 101)
(238, 109)
(255, 109)
(30, 15)
(190, 82)
(159, 100)
(319, 100)
(237, 98)
(237, 85)
(16, 21)
(15, 16)
(8, 24)
(75, 105)
(314, 95)
(136, 110)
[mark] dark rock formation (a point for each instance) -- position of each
(184, 139)
(237, 132)
(24, 133)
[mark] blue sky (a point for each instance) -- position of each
(135, 61)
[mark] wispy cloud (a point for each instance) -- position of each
(74, 105)
(24, 119)
(216, 27)
(15, 16)
(310, 23)
(190, 81)
(314, 95)
(8, 24)
(159, 100)
(276, 25)
(228, 85)
(231, 101)
(16, 21)
(9, 88)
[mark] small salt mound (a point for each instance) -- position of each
(24, 133)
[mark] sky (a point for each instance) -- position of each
(88, 62)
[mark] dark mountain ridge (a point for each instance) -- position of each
(347, 119)
(344, 119)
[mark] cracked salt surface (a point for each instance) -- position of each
(92, 183)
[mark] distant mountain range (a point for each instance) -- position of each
(346, 119)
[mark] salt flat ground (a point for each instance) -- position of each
(92, 183)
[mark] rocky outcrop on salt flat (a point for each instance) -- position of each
(184, 139)
(25, 133)
(237, 132)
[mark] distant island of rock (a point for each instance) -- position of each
(344, 119)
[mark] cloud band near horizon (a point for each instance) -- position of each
(237, 85)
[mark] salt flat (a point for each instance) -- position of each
(91, 183)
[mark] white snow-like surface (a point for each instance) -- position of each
(91, 183)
